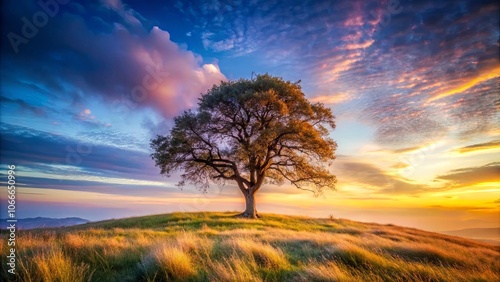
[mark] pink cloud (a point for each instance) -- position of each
(174, 78)
(128, 15)
(332, 98)
(137, 68)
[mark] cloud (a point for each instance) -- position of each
(371, 199)
(464, 208)
(120, 63)
(400, 165)
(57, 155)
(128, 15)
(492, 145)
(332, 98)
(103, 185)
(428, 70)
(406, 150)
(154, 128)
(24, 106)
(50, 161)
(400, 131)
(85, 115)
(472, 175)
(351, 172)
(485, 75)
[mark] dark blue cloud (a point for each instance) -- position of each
(42, 151)
(23, 106)
(94, 51)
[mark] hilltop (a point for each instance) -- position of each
(219, 247)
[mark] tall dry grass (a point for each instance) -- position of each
(208, 249)
(41, 258)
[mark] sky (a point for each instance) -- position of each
(414, 86)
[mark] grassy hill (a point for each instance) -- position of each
(219, 247)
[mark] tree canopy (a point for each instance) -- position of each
(251, 131)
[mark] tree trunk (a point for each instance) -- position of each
(250, 211)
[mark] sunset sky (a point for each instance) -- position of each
(414, 86)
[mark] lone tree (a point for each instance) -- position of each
(251, 132)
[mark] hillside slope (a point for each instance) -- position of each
(219, 247)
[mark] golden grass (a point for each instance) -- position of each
(326, 272)
(234, 268)
(264, 254)
(173, 262)
(53, 265)
(331, 250)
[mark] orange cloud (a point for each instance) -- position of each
(400, 165)
(332, 99)
(354, 21)
(408, 150)
(473, 175)
(85, 115)
(485, 76)
(492, 145)
(341, 66)
(355, 46)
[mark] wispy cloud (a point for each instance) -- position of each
(27, 147)
(487, 146)
(473, 175)
(130, 16)
(332, 98)
(400, 165)
(429, 70)
(378, 181)
(485, 75)
(24, 106)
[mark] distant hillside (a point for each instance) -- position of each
(490, 235)
(44, 222)
(219, 247)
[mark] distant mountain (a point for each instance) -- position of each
(43, 222)
(490, 235)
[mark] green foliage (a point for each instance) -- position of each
(251, 131)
